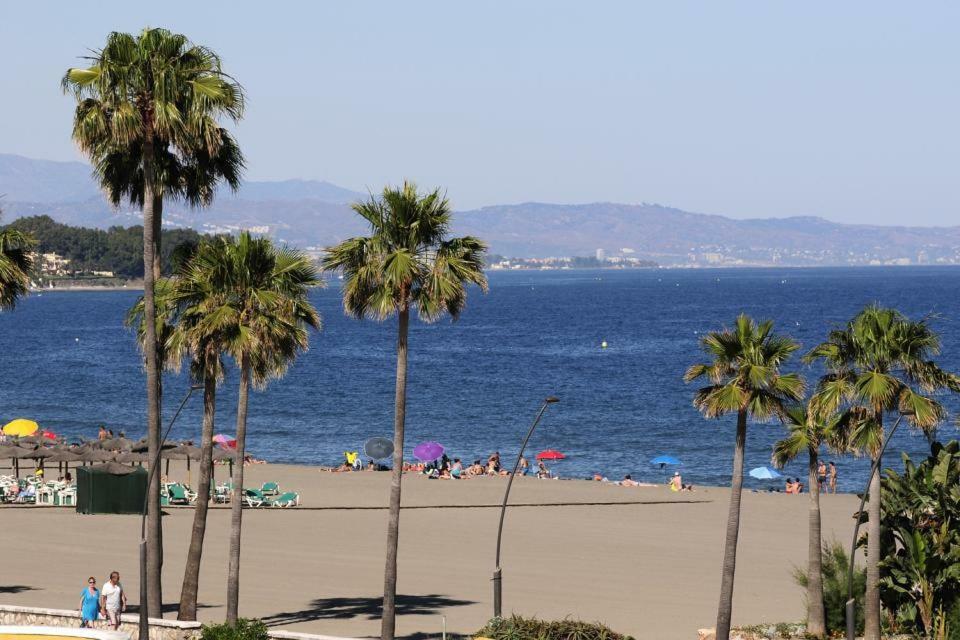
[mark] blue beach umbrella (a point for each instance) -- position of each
(764, 473)
(664, 460)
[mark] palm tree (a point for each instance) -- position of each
(744, 377)
(16, 263)
(806, 433)
(155, 93)
(252, 296)
(181, 330)
(406, 262)
(879, 363)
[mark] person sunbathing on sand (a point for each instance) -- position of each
(676, 483)
(629, 482)
(542, 471)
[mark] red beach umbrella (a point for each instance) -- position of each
(550, 454)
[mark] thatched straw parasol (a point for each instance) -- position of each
(64, 457)
(117, 444)
(96, 455)
(16, 454)
(131, 457)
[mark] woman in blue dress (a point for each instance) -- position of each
(89, 603)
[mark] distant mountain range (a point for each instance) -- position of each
(311, 213)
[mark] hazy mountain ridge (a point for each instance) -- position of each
(311, 213)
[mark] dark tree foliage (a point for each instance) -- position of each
(117, 249)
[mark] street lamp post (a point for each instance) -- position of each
(497, 573)
(851, 610)
(144, 629)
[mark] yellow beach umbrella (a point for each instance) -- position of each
(20, 427)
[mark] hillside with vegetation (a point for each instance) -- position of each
(118, 249)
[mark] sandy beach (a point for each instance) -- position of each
(643, 560)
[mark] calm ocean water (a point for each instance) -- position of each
(67, 361)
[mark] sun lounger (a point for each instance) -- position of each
(255, 498)
(178, 495)
(288, 499)
(270, 489)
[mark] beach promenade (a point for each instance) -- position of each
(645, 561)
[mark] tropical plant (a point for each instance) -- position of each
(743, 377)
(243, 629)
(920, 570)
(518, 628)
(407, 261)
(834, 565)
(153, 95)
(879, 363)
(807, 433)
(16, 263)
(252, 297)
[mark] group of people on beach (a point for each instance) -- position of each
(108, 602)
(826, 480)
(445, 468)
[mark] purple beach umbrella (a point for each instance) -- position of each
(428, 451)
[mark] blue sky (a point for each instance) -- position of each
(848, 110)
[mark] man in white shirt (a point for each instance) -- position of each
(113, 600)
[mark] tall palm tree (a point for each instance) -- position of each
(807, 433)
(155, 92)
(197, 335)
(407, 261)
(744, 377)
(16, 263)
(182, 331)
(879, 363)
(252, 296)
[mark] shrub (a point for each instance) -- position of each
(518, 628)
(836, 563)
(244, 630)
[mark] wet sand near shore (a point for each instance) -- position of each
(644, 560)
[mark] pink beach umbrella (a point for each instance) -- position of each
(225, 441)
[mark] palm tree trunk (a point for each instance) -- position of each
(816, 614)
(157, 236)
(388, 623)
(871, 603)
(191, 574)
(236, 503)
(725, 609)
(154, 526)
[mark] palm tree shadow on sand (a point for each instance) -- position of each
(16, 588)
(347, 608)
(168, 607)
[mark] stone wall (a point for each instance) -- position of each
(129, 623)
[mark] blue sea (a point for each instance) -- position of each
(67, 361)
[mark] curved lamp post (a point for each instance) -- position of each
(144, 622)
(874, 469)
(497, 573)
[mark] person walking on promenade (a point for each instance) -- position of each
(113, 600)
(89, 604)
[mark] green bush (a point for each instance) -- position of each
(836, 564)
(518, 628)
(244, 630)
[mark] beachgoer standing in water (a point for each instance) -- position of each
(89, 604)
(113, 600)
(833, 477)
(822, 477)
(102, 434)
